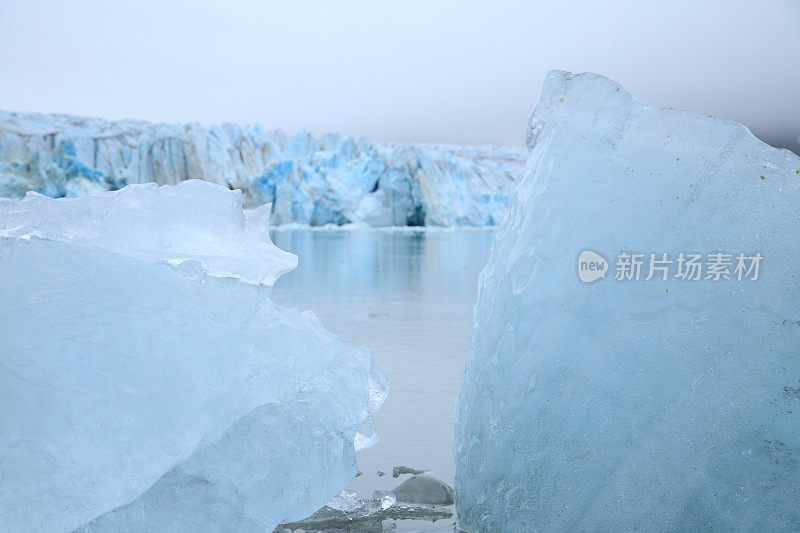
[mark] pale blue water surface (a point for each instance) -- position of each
(408, 296)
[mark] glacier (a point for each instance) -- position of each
(332, 179)
(625, 404)
(148, 380)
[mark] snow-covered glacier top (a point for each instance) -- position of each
(332, 179)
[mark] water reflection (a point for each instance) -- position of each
(408, 297)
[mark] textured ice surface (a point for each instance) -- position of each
(328, 180)
(635, 405)
(148, 381)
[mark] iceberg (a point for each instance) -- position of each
(148, 380)
(332, 179)
(628, 399)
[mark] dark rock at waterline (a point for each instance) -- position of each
(400, 470)
(424, 489)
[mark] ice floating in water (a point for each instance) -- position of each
(346, 501)
(149, 382)
(348, 512)
(417, 498)
(314, 181)
(622, 404)
(387, 500)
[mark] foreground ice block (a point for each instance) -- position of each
(148, 382)
(620, 403)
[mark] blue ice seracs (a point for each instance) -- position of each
(332, 179)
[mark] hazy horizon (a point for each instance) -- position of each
(442, 72)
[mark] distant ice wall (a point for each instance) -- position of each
(333, 179)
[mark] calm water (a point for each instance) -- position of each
(409, 298)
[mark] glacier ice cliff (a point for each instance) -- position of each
(149, 383)
(636, 405)
(333, 179)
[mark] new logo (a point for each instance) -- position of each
(591, 266)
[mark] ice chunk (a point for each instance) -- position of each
(387, 500)
(346, 501)
(149, 382)
(193, 223)
(622, 404)
(348, 512)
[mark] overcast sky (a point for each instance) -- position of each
(466, 72)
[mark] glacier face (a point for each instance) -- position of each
(315, 181)
(625, 404)
(150, 383)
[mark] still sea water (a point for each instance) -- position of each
(408, 296)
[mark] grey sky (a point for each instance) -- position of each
(466, 72)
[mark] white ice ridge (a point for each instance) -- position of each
(148, 382)
(214, 231)
(332, 179)
(625, 405)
